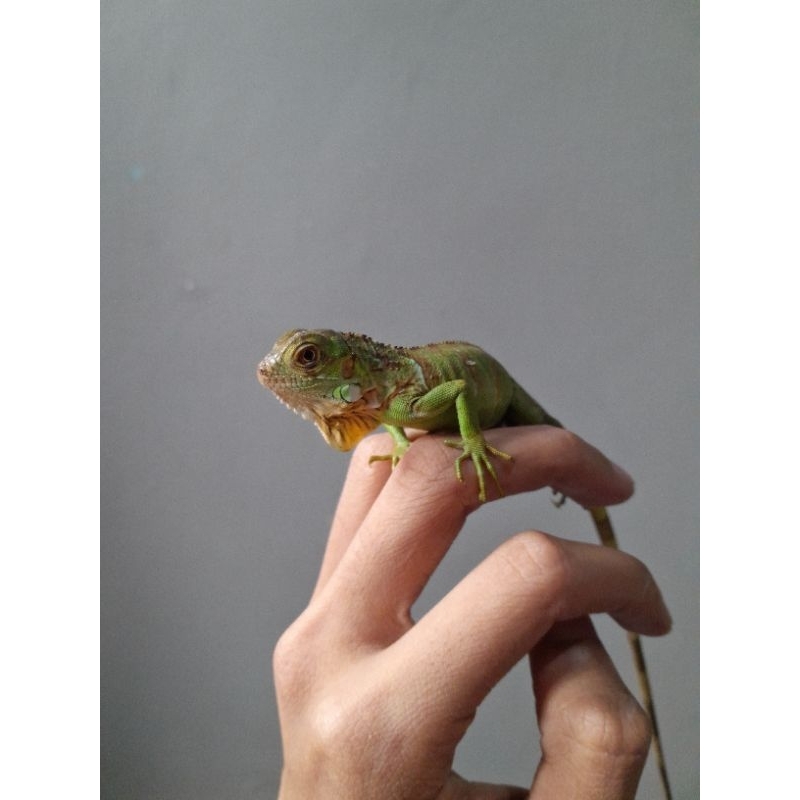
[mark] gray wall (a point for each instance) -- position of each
(520, 174)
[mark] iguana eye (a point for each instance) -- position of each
(307, 356)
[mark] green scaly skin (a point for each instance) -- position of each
(348, 385)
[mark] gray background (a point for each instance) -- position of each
(519, 174)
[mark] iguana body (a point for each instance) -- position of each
(348, 385)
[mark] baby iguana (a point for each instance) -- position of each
(347, 385)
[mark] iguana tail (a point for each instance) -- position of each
(606, 533)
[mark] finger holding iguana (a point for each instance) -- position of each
(393, 536)
(542, 457)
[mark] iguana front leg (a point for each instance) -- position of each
(473, 445)
(425, 411)
(401, 444)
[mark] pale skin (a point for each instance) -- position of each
(373, 704)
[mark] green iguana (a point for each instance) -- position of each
(347, 385)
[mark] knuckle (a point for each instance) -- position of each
(570, 439)
(428, 457)
(428, 471)
(571, 445)
(571, 451)
(285, 652)
(425, 469)
(616, 727)
(292, 657)
(347, 728)
(286, 663)
(332, 726)
(540, 561)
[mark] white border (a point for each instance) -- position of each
(750, 307)
(50, 346)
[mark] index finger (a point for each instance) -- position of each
(363, 484)
(420, 509)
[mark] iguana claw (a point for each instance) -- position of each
(401, 444)
(394, 456)
(478, 449)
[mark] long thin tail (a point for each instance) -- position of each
(606, 533)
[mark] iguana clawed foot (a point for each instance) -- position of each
(401, 444)
(395, 456)
(479, 450)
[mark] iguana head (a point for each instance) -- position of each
(320, 375)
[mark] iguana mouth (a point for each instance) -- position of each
(268, 376)
(342, 424)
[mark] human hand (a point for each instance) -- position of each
(373, 705)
